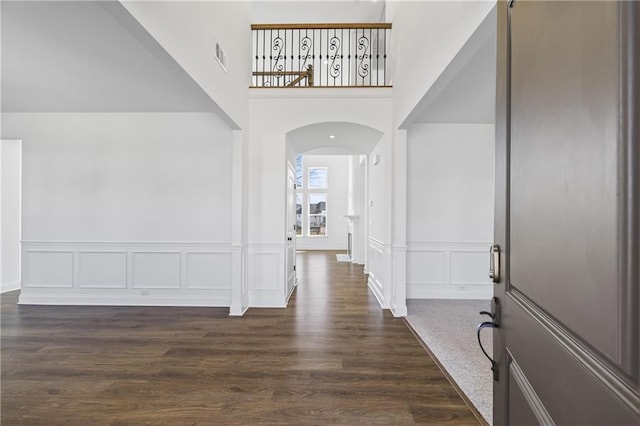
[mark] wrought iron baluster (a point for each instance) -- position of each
(327, 51)
(370, 54)
(270, 56)
(364, 67)
(334, 48)
(377, 57)
(384, 62)
(321, 62)
(342, 56)
(349, 59)
(299, 51)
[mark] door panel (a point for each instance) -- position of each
(290, 266)
(567, 213)
(526, 407)
(564, 85)
(562, 372)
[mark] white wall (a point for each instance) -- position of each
(377, 216)
(337, 203)
(274, 113)
(10, 165)
(124, 177)
(357, 208)
(426, 36)
(189, 32)
(273, 12)
(125, 208)
(449, 210)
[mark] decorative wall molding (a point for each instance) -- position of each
(398, 303)
(126, 273)
(325, 92)
(215, 298)
(448, 270)
(266, 263)
(240, 280)
(375, 268)
(102, 269)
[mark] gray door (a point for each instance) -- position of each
(567, 213)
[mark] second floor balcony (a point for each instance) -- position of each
(320, 55)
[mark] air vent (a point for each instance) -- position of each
(221, 56)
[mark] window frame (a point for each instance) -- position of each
(325, 214)
(305, 191)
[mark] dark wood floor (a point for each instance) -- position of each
(332, 357)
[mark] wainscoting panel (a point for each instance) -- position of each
(156, 270)
(267, 275)
(448, 270)
(398, 303)
(48, 268)
(208, 270)
(266, 266)
(126, 273)
(469, 267)
(428, 266)
(375, 268)
(102, 269)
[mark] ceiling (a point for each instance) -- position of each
(465, 91)
(87, 56)
(349, 139)
(307, 11)
(68, 56)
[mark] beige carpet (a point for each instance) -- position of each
(448, 327)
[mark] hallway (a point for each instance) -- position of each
(332, 357)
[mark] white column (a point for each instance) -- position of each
(387, 259)
(239, 199)
(11, 171)
(398, 303)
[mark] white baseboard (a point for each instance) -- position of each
(399, 311)
(6, 287)
(446, 291)
(119, 300)
(239, 313)
(376, 289)
(448, 270)
(126, 273)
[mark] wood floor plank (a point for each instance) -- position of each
(332, 357)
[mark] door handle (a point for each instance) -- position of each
(494, 364)
(494, 263)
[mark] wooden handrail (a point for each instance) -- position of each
(308, 74)
(375, 25)
(279, 72)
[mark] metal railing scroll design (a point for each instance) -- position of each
(320, 55)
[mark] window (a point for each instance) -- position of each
(299, 200)
(299, 172)
(317, 214)
(311, 200)
(317, 178)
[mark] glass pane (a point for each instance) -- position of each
(317, 225)
(317, 204)
(299, 172)
(317, 177)
(298, 214)
(317, 214)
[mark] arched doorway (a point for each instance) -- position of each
(307, 218)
